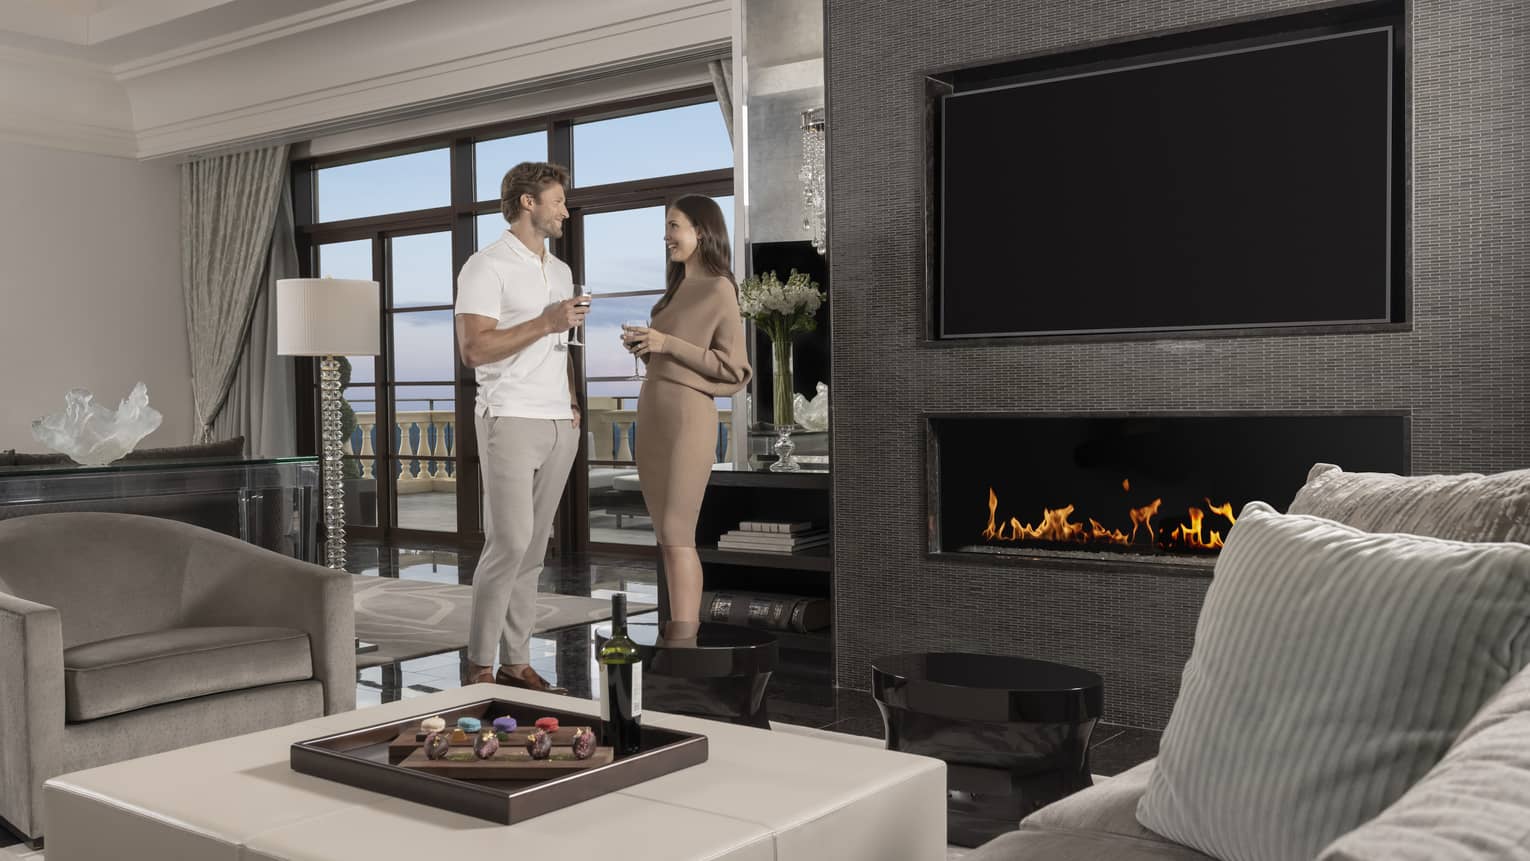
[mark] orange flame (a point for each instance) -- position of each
(1056, 526)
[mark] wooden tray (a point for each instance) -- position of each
(514, 764)
(372, 758)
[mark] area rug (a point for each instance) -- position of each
(414, 618)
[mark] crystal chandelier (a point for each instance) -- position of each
(812, 176)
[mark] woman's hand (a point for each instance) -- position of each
(646, 341)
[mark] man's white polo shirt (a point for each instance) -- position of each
(512, 284)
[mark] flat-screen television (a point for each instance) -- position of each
(1233, 186)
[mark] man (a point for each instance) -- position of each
(515, 302)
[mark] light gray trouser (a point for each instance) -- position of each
(525, 464)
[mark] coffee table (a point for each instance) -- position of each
(761, 796)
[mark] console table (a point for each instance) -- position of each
(272, 503)
(736, 494)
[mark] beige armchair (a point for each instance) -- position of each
(123, 635)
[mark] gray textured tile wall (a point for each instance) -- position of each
(1462, 371)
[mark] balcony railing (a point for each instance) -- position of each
(425, 441)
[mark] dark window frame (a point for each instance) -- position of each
(459, 218)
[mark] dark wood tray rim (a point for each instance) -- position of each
(498, 804)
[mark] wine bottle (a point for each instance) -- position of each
(621, 684)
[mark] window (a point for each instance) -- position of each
(492, 158)
(660, 143)
(391, 218)
(420, 180)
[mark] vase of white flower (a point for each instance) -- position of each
(781, 310)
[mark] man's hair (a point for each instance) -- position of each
(528, 177)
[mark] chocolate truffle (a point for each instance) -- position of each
(584, 743)
(436, 746)
(539, 744)
(486, 745)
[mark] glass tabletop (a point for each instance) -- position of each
(131, 464)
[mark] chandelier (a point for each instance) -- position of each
(812, 176)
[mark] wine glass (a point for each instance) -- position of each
(584, 299)
(637, 363)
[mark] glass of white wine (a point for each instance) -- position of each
(637, 363)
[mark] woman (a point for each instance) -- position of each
(694, 347)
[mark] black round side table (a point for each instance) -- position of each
(1014, 733)
(722, 674)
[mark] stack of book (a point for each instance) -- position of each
(770, 536)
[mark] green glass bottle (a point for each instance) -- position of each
(621, 685)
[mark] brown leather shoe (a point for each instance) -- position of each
(474, 675)
(527, 679)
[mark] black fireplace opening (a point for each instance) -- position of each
(1167, 486)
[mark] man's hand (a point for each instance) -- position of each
(565, 315)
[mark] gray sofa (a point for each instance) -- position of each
(123, 635)
(1475, 803)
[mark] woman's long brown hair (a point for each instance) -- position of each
(711, 244)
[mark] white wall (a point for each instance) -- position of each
(90, 290)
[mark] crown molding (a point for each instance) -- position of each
(38, 129)
(63, 102)
(700, 32)
(249, 37)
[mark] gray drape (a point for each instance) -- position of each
(228, 210)
(722, 84)
(261, 403)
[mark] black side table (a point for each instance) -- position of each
(723, 674)
(1014, 733)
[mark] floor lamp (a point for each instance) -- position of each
(328, 318)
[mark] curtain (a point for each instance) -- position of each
(228, 210)
(722, 84)
(261, 403)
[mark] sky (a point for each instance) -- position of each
(624, 250)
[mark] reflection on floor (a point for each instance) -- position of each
(801, 691)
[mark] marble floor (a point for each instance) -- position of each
(801, 691)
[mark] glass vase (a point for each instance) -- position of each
(781, 383)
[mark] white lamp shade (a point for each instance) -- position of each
(326, 317)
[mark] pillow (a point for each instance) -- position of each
(1474, 805)
(1467, 507)
(1331, 669)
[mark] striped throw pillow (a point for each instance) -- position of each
(1465, 507)
(1331, 669)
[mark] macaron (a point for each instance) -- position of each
(469, 724)
(550, 724)
(432, 724)
(504, 724)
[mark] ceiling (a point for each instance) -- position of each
(118, 33)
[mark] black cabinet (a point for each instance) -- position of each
(734, 496)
